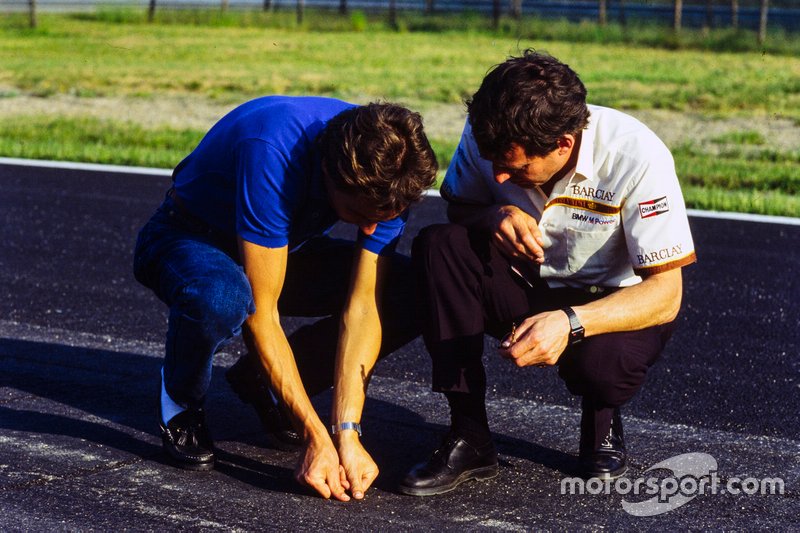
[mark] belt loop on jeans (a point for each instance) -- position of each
(177, 200)
(179, 206)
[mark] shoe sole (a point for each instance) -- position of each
(184, 465)
(606, 476)
(478, 474)
(199, 467)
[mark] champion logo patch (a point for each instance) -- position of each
(655, 207)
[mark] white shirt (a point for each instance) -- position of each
(618, 216)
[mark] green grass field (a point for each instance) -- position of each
(234, 57)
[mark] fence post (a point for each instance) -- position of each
(602, 12)
(300, 8)
(343, 7)
(267, 5)
(151, 11)
(735, 14)
(516, 9)
(32, 13)
(622, 20)
(677, 16)
(495, 14)
(393, 14)
(709, 14)
(429, 7)
(762, 22)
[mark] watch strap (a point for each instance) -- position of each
(576, 330)
(336, 428)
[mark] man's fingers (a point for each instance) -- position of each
(362, 483)
(506, 343)
(533, 227)
(518, 241)
(326, 487)
(368, 477)
(513, 339)
(337, 491)
(317, 484)
(523, 348)
(509, 247)
(343, 478)
(532, 245)
(356, 488)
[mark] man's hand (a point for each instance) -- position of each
(539, 340)
(320, 470)
(359, 468)
(516, 233)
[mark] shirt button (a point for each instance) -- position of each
(593, 289)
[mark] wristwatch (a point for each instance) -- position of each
(336, 428)
(576, 330)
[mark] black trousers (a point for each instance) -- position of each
(467, 288)
(316, 285)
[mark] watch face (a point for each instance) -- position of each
(576, 329)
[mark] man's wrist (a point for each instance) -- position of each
(576, 331)
(316, 432)
(346, 427)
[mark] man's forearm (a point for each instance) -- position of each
(359, 338)
(267, 339)
(359, 345)
(654, 301)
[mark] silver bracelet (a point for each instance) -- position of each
(336, 428)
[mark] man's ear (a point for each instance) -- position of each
(565, 143)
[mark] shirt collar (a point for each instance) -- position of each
(584, 168)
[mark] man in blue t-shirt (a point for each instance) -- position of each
(241, 239)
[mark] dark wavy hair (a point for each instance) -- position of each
(531, 101)
(379, 151)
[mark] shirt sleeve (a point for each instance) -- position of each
(386, 235)
(264, 195)
(465, 180)
(654, 219)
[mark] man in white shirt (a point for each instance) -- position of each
(569, 231)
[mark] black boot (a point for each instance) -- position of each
(608, 460)
(453, 463)
(246, 378)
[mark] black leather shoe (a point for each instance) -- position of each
(609, 460)
(186, 441)
(248, 381)
(452, 464)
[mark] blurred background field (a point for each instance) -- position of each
(108, 86)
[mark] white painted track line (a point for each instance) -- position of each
(150, 171)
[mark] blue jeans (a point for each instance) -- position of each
(196, 272)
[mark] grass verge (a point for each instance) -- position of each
(69, 55)
(91, 140)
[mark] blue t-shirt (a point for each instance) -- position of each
(257, 174)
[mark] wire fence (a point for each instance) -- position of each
(746, 14)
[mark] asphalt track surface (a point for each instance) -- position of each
(80, 352)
